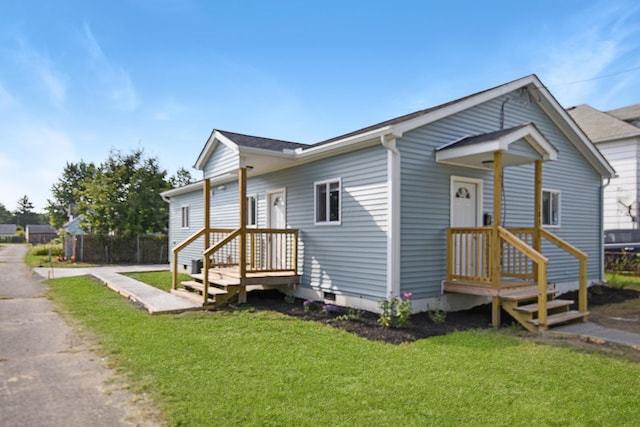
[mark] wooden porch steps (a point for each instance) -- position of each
(520, 306)
(564, 317)
(225, 285)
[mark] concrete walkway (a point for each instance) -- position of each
(153, 299)
(591, 332)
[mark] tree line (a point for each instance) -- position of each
(120, 196)
(23, 214)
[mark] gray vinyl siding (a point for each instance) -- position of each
(177, 234)
(349, 258)
(222, 160)
(425, 202)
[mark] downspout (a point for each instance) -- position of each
(602, 187)
(393, 214)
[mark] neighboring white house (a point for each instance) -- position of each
(399, 206)
(616, 133)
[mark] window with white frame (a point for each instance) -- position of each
(327, 202)
(252, 211)
(551, 208)
(184, 213)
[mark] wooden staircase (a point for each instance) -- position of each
(226, 286)
(523, 307)
(223, 288)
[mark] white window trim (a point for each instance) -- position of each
(315, 202)
(479, 197)
(559, 193)
(182, 217)
(255, 196)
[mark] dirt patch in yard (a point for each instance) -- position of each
(610, 307)
(613, 308)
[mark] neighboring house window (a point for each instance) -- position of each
(550, 208)
(327, 202)
(185, 216)
(252, 211)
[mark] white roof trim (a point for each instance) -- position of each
(210, 145)
(528, 133)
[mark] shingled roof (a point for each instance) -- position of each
(260, 142)
(600, 126)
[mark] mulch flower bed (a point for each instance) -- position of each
(366, 324)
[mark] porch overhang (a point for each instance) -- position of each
(519, 145)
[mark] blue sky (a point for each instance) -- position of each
(78, 78)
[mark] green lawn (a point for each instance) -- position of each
(159, 279)
(246, 367)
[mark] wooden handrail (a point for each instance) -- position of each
(538, 259)
(178, 248)
(582, 259)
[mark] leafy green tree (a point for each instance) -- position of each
(65, 192)
(123, 196)
(181, 178)
(24, 213)
(6, 217)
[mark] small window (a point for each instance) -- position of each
(327, 202)
(185, 216)
(551, 208)
(252, 211)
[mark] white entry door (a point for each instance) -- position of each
(464, 204)
(468, 248)
(276, 243)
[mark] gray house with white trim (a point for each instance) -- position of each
(409, 204)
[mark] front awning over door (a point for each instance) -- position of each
(519, 145)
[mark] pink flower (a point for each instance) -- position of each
(407, 294)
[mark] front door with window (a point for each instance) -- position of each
(276, 244)
(466, 196)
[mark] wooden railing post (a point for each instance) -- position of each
(174, 271)
(582, 290)
(542, 294)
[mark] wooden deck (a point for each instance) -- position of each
(487, 289)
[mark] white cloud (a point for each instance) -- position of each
(44, 71)
(114, 81)
(572, 68)
(32, 158)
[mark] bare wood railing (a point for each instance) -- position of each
(272, 250)
(176, 250)
(536, 258)
(216, 234)
(468, 254)
(582, 259)
(514, 262)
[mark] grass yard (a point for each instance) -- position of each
(246, 367)
(47, 255)
(159, 279)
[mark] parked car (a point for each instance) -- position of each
(621, 243)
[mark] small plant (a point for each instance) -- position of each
(312, 305)
(330, 308)
(437, 315)
(396, 312)
(352, 314)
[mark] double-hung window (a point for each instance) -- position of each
(551, 208)
(327, 202)
(184, 214)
